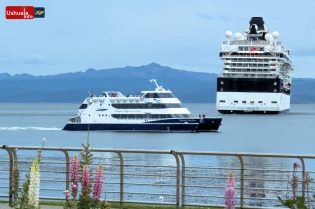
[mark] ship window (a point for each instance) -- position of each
(274, 102)
(259, 101)
(83, 106)
(222, 100)
(146, 106)
(244, 102)
(252, 102)
(221, 82)
(235, 101)
(153, 116)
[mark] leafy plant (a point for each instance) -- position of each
(297, 201)
(82, 173)
(27, 197)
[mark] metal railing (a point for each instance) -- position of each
(164, 177)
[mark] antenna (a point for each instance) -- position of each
(158, 88)
(89, 93)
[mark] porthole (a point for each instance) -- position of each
(221, 89)
(221, 82)
(275, 83)
(275, 90)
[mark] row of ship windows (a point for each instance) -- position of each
(158, 95)
(241, 48)
(145, 106)
(249, 65)
(139, 106)
(251, 60)
(250, 70)
(145, 116)
(252, 102)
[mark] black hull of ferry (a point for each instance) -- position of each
(167, 125)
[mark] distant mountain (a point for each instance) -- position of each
(189, 87)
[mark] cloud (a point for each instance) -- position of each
(33, 60)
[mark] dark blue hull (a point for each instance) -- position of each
(167, 125)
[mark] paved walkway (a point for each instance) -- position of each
(6, 206)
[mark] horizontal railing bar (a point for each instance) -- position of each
(93, 149)
(246, 154)
(147, 193)
(144, 175)
(165, 152)
(147, 184)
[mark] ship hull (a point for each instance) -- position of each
(167, 125)
(252, 96)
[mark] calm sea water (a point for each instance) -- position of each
(294, 132)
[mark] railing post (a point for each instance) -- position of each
(10, 173)
(177, 177)
(121, 199)
(242, 181)
(67, 168)
(183, 179)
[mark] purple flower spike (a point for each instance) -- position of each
(85, 182)
(74, 176)
(98, 183)
(229, 192)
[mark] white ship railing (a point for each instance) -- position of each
(247, 42)
(181, 178)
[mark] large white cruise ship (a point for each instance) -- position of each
(256, 74)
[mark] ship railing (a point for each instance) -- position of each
(252, 55)
(74, 120)
(245, 61)
(248, 75)
(247, 42)
(164, 177)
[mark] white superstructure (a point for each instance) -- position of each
(114, 107)
(256, 74)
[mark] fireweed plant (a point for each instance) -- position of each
(229, 192)
(27, 196)
(80, 172)
(295, 201)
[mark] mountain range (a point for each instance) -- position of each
(189, 87)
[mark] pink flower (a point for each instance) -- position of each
(229, 192)
(67, 193)
(98, 183)
(85, 182)
(74, 175)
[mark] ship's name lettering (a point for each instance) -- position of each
(187, 120)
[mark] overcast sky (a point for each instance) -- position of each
(182, 34)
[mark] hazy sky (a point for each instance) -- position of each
(182, 34)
